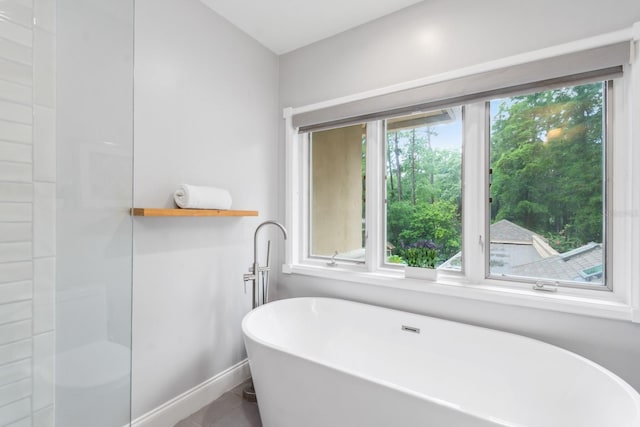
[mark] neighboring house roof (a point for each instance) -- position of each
(505, 231)
(583, 264)
(513, 245)
(517, 251)
(506, 256)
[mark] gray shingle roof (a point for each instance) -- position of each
(513, 253)
(505, 231)
(573, 265)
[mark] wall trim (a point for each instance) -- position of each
(189, 402)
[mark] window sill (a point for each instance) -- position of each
(590, 303)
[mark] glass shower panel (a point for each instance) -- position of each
(94, 93)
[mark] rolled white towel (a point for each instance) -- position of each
(197, 197)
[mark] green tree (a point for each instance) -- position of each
(547, 160)
(429, 208)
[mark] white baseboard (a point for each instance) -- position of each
(189, 402)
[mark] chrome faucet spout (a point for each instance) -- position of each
(255, 237)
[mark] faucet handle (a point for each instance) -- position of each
(333, 262)
(247, 277)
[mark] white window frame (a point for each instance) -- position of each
(623, 251)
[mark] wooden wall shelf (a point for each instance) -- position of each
(189, 212)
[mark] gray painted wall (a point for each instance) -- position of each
(429, 38)
(206, 112)
(436, 36)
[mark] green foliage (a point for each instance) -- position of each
(420, 254)
(395, 259)
(420, 257)
(425, 203)
(437, 222)
(546, 155)
(547, 160)
(561, 243)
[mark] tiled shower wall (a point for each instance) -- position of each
(27, 212)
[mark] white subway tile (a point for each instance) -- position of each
(16, 272)
(16, 12)
(15, 132)
(44, 417)
(15, 371)
(15, 332)
(15, 33)
(16, 52)
(16, 231)
(14, 152)
(15, 192)
(44, 219)
(17, 291)
(15, 251)
(16, 112)
(15, 92)
(15, 391)
(16, 311)
(44, 12)
(44, 295)
(25, 3)
(25, 422)
(16, 72)
(16, 212)
(44, 144)
(15, 411)
(44, 68)
(16, 172)
(15, 351)
(44, 347)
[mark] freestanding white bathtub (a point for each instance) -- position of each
(320, 362)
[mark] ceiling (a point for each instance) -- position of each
(286, 25)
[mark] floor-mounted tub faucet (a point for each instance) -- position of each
(256, 272)
(256, 275)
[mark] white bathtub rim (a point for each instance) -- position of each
(478, 414)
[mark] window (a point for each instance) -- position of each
(423, 176)
(547, 201)
(337, 193)
(510, 177)
(547, 185)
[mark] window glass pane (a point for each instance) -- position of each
(337, 185)
(424, 189)
(547, 188)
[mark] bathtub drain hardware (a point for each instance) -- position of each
(410, 329)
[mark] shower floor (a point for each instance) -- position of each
(229, 410)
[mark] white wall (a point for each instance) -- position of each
(432, 37)
(206, 112)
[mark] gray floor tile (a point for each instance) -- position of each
(245, 415)
(230, 410)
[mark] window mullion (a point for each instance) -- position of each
(303, 193)
(474, 192)
(374, 198)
